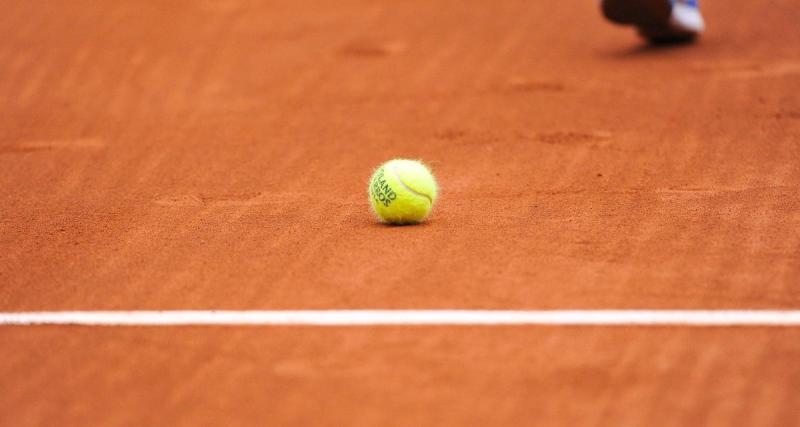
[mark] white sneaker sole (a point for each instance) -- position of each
(687, 18)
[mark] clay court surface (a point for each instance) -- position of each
(215, 155)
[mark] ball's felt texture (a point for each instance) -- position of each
(402, 191)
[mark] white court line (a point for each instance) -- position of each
(408, 317)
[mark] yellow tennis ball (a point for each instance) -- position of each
(402, 191)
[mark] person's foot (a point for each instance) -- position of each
(660, 21)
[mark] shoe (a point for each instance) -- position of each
(660, 21)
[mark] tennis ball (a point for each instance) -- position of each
(402, 191)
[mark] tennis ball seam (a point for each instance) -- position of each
(407, 187)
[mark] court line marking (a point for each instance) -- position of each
(779, 318)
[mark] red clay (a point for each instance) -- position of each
(195, 155)
(400, 376)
